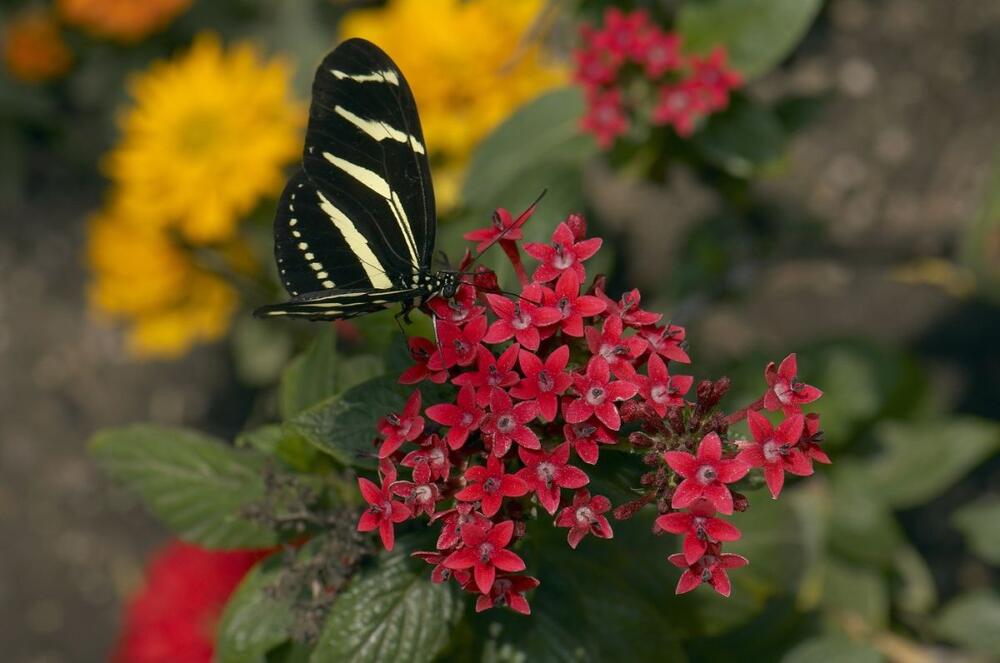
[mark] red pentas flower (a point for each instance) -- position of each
(383, 512)
(553, 371)
(705, 475)
(521, 318)
(543, 381)
(173, 616)
(605, 118)
(492, 374)
(598, 394)
(660, 389)
(508, 590)
(545, 473)
(484, 551)
(699, 527)
(403, 427)
(710, 568)
(565, 252)
(462, 418)
(585, 516)
(504, 227)
(507, 423)
(785, 392)
(679, 106)
(714, 79)
(421, 350)
(776, 450)
(658, 51)
(620, 352)
(489, 485)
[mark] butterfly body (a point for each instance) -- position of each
(355, 226)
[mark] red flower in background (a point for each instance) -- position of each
(508, 590)
(710, 568)
(605, 117)
(504, 225)
(173, 617)
(403, 427)
(776, 449)
(699, 527)
(585, 516)
(786, 393)
(383, 512)
(679, 106)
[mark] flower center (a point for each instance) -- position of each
(583, 431)
(460, 346)
(546, 472)
(545, 381)
(423, 494)
(707, 474)
(564, 307)
(520, 319)
(772, 451)
(563, 258)
(596, 395)
(491, 485)
(584, 516)
(466, 420)
(506, 423)
(699, 523)
(436, 456)
(659, 393)
(784, 392)
(485, 552)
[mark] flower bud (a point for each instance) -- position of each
(705, 391)
(740, 502)
(578, 224)
(640, 440)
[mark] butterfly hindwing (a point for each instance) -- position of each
(365, 154)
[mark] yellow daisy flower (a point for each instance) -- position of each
(207, 138)
(33, 48)
(142, 276)
(123, 20)
(470, 64)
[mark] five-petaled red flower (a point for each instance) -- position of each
(597, 395)
(452, 522)
(585, 516)
(508, 590)
(775, 449)
(459, 309)
(667, 342)
(489, 484)
(585, 436)
(605, 118)
(705, 475)
(785, 392)
(545, 473)
(507, 423)
(520, 318)
(383, 512)
(462, 417)
(403, 427)
(504, 227)
(544, 381)
(484, 551)
(660, 389)
(565, 252)
(699, 527)
(811, 438)
(711, 568)
(620, 352)
(421, 350)
(418, 497)
(459, 346)
(430, 462)
(627, 308)
(571, 305)
(441, 573)
(492, 374)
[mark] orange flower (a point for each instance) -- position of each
(122, 20)
(33, 48)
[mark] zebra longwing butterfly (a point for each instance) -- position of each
(354, 230)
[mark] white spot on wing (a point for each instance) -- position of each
(387, 76)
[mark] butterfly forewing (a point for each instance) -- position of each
(359, 216)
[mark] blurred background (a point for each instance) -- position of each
(843, 203)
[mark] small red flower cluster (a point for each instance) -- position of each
(173, 617)
(554, 373)
(628, 47)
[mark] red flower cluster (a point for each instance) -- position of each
(542, 380)
(173, 617)
(679, 89)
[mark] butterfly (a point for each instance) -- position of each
(354, 229)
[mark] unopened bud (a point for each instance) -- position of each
(740, 502)
(640, 440)
(721, 387)
(705, 390)
(578, 224)
(675, 417)
(629, 509)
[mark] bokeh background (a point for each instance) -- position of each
(866, 237)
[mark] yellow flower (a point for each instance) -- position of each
(470, 64)
(207, 138)
(124, 20)
(33, 48)
(142, 276)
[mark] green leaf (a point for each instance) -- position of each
(260, 350)
(922, 459)
(743, 140)
(980, 250)
(197, 485)
(856, 592)
(831, 649)
(344, 426)
(264, 439)
(312, 376)
(915, 591)
(391, 612)
(515, 162)
(254, 621)
(971, 621)
(978, 522)
(757, 34)
(862, 527)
